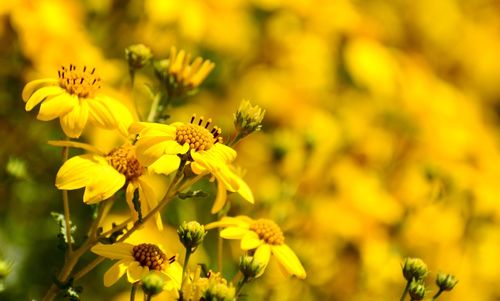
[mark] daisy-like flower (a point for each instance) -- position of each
(137, 261)
(103, 175)
(74, 98)
(159, 145)
(264, 237)
(186, 73)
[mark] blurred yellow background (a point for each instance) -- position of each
(380, 139)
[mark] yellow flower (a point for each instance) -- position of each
(211, 287)
(137, 261)
(186, 73)
(103, 175)
(159, 144)
(263, 236)
(74, 98)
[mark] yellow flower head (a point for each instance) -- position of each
(137, 261)
(159, 145)
(265, 238)
(74, 98)
(103, 174)
(187, 73)
(212, 287)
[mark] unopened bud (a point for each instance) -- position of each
(414, 268)
(250, 267)
(153, 283)
(138, 56)
(417, 290)
(191, 234)
(218, 290)
(248, 118)
(446, 282)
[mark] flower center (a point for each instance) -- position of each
(197, 136)
(268, 231)
(123, 159)
(82, 83)
(149, 255)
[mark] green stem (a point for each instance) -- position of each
(148, 297)
(240, 285)
(154, 108)
(220, 246)
(437, 295)
(407, 287)
(186, 261)
(65, 155)
(133, 290)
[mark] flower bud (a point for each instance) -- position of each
(138, 56)
(414, 268)
(250, 267)
(219, 290)
(417, 290)
(191, 234)
(153, 283)
(446, 282)
(248, 118)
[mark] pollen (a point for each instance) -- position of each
(268, 231)
(149, 255)
(80, 81)
(123, 159)
(197, 134)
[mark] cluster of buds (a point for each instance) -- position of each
(191, 234)
(415, 271)
(213, 287)
(248, 118)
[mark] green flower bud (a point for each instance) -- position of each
(248, 118)
(414, 268)
(153, 284)
(446, 282)
(417, 290)
(191, 234)
(251, 268)
(138, 56)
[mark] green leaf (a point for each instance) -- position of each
(63, 240)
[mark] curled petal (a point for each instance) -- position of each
(288, 260)
(115, 272)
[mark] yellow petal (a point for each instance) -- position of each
(36, 85)
(119, 250)
(77, 172)
(42, 94)
(220, 199)
(174, 272)
(234, 233)
(153, 188)
(250, 241)
(136, 272)
(245, 191)
(104, 184)
(121, 118)
(75, 144)
(287, 258)
(227, 221)
(115, 272)
(56, 106)
(99, 113)
(262, 256)
(74, 122)
(166, 164)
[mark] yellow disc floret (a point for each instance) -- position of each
(149, 255)
(123, 159)
(198, 136)
(268, 231)
(82, 82)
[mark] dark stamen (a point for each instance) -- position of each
(84, 68)
(92, 71)
(94, 81)
(192, 118)
(59, 73)
(81, 81)
(200, 121)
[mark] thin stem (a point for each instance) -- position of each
(220, 245)
(117, 228)
(104, 208)
(407, 287)
(154, 108)
(147, 297)
(133, 290)
(240, 285)
(65, 155)
(186, 260)
(437, 295)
